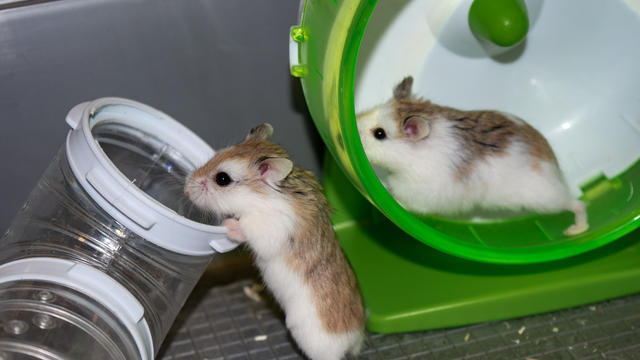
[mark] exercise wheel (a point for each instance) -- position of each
(568, 67)
(574, 77)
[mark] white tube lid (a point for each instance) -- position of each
(122, 199)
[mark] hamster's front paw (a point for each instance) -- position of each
(234, 231)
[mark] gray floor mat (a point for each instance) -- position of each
(230, 322)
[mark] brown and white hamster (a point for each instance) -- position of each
(279, 210)
(443, 161)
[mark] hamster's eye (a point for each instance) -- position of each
(379, 134)
(223, 179)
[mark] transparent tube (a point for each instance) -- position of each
(60, 220)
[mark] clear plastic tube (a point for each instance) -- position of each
(61, 220)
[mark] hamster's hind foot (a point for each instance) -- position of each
(576, 229)
(581, 225)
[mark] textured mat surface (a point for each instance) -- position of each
(240, 321)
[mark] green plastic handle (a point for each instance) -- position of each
(502, 22)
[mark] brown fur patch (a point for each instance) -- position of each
(316, 253)
(482, 133)
(251, 150)
(538, 144)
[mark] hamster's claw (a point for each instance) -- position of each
(234, 231)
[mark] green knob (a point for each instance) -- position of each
(502, 22)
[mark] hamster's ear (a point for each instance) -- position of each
(403, 90)
(274, 169)
(260, 132)
(416, 127)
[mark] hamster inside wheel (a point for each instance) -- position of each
(568, 67)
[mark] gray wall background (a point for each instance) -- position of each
(217, 66)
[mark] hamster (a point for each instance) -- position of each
(280, 212)
(438, 160)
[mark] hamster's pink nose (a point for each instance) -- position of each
(186, 191)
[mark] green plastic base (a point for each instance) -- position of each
(408, 286)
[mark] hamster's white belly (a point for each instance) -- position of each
(296, 298)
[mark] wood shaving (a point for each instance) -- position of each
(521, 330)
(253, 292)
(260, 338)
(466, 337)
(555, 330)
